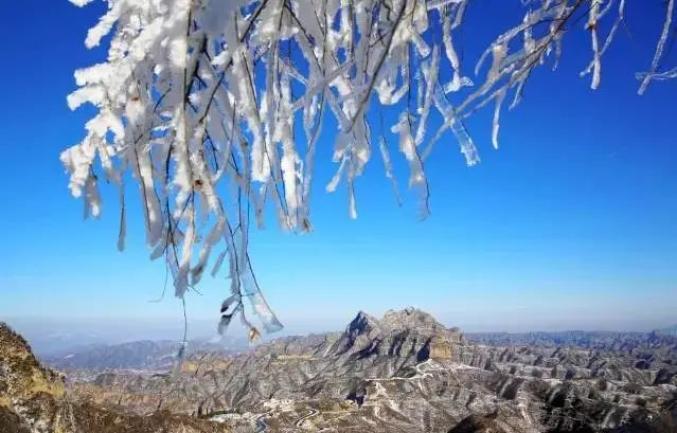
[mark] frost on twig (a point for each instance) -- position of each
(653, 73)
(216, 109)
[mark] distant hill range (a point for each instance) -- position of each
(602, 340)
(406, 372)
(162, 355)
(671, 331)
(136, 355)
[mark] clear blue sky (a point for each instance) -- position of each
(571, 224)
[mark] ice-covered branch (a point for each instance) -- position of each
(660, 51)
(216, 107)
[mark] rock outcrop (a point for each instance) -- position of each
(33, 400)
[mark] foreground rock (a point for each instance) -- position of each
(408, 373)
(33, 400)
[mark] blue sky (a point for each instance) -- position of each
(571, 224)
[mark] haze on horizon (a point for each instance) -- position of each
(57, 335)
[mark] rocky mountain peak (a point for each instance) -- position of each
(363, 323)
(410, 318)
(408, 334)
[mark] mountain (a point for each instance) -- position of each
(406, 372)
(670, 331)
(593, 340)
(135, 355)
(33, 399)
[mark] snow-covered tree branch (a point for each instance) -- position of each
(216, 108)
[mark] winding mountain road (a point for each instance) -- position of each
(311, 413)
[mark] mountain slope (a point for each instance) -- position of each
(32, 400)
